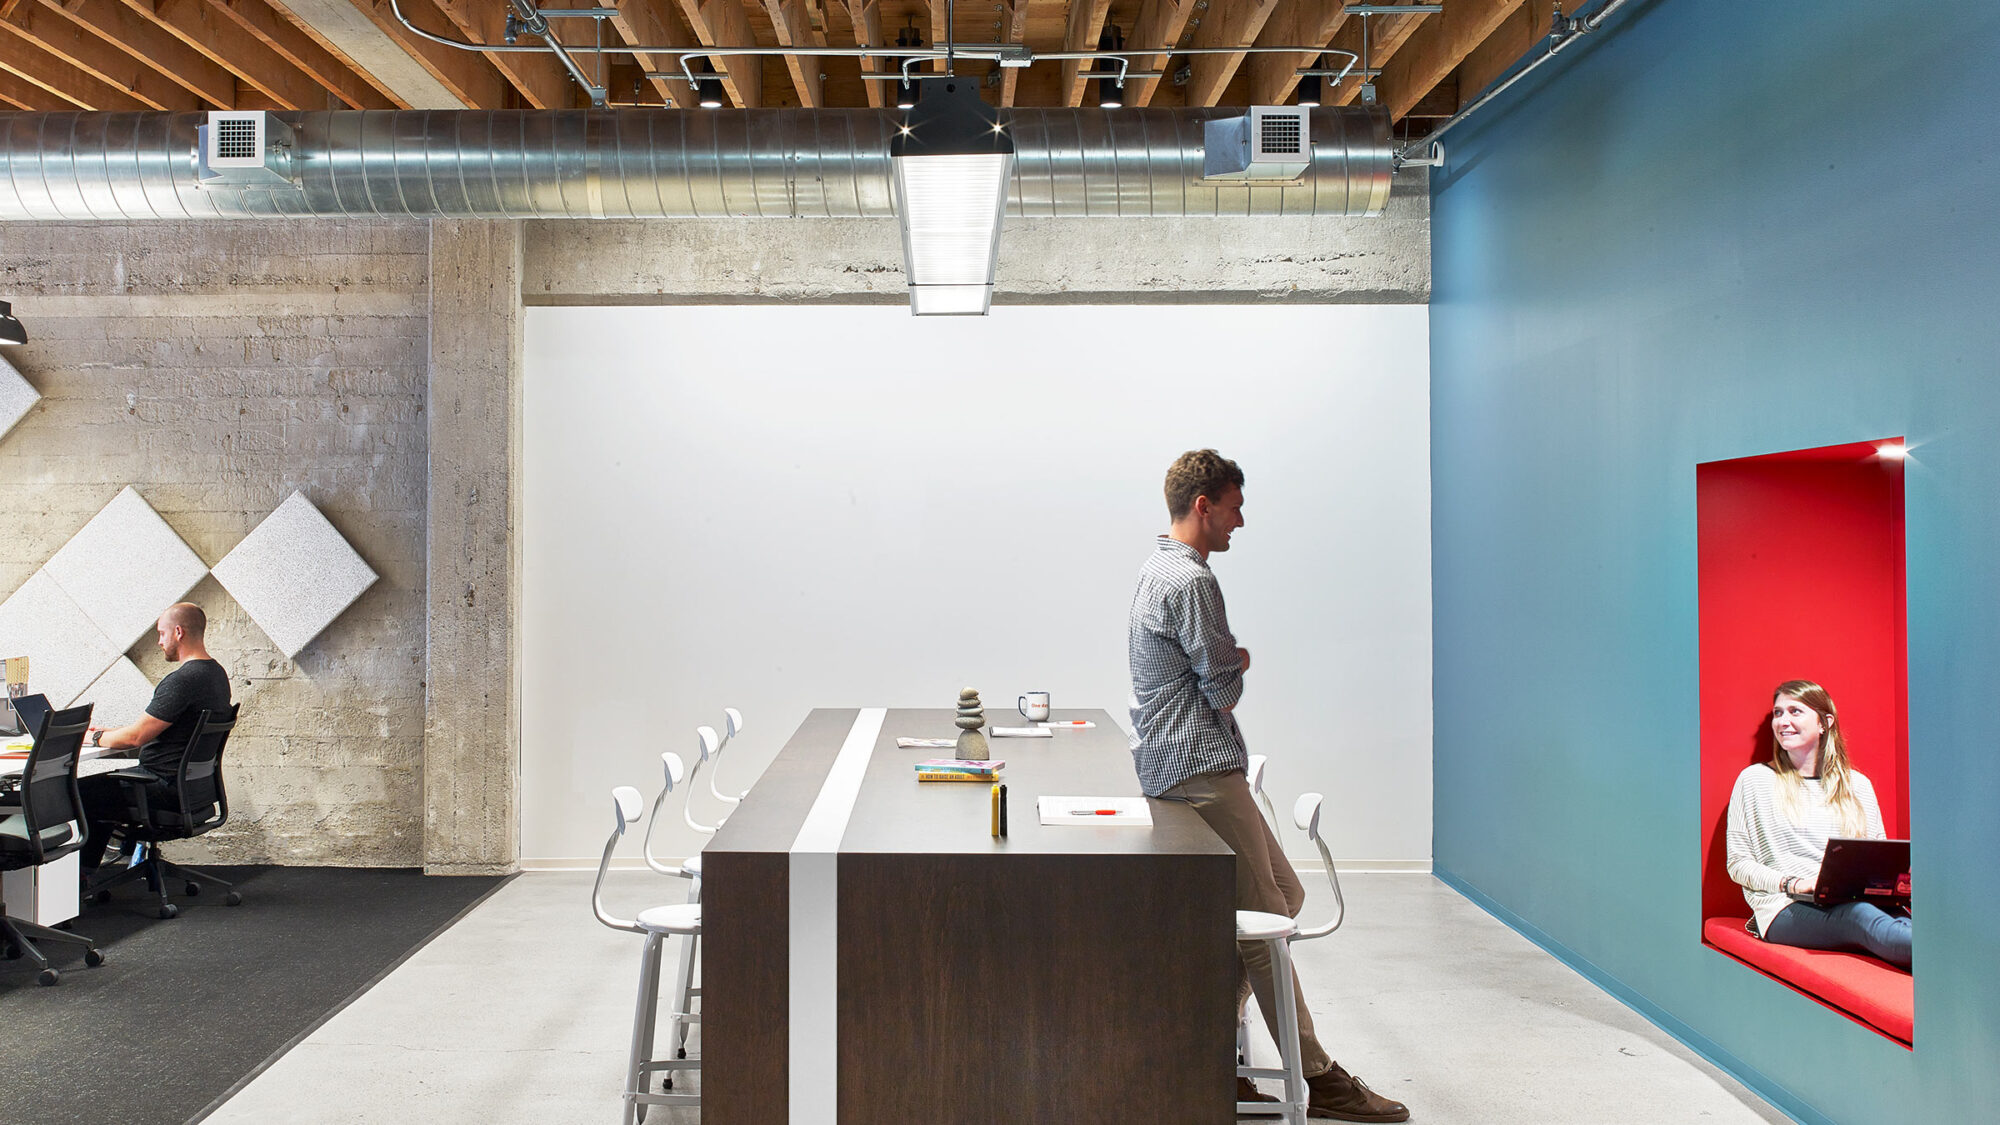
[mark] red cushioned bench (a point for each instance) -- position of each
(1862, 988)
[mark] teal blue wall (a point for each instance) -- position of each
(1720, 229)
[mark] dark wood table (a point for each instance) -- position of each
(1064, 974)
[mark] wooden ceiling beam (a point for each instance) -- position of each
(791, 21)
(1013, 29)
(940, 32)
(1436, 49)
(723, 22)
(471, 78)
(541, 78)
(1086, 23)
(866, 17)
(1236, 25)
(1386, 35)
(27, 96)
(303, 51)
(26, 60)
(198, 25)
(1274, 76)
(113, 22)
(49, 30)
(1517, 34)
(648, 23)
(1159, 24)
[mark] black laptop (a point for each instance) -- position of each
(31, 709)
(1876, 871)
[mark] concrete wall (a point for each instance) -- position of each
(216, 368)
(1631, 282)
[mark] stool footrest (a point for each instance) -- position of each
(1262, 1072)
(670, 1064)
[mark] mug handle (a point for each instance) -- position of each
(1021, 705)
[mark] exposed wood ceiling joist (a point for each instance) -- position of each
(543, 81)
(648, 23)
(469, 77)
(23, 58)
(1274, 76)
(723, 22)
(1014, 29)
(866, 17)
(1086, 23)
(792, 23)
(197, 24)
(47, 29)
(1436, 49)
(121, 27)
(1235, 25)
(381, 50)
(17, 93)
(1517, 34)
(292, 44)
(1159, 24)
(1374, 41)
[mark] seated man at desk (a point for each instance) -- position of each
(1187, 674)
(160, 735)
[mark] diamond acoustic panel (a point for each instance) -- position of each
(294, 574)
(120, 695)
(124, 567)
(66, 651)
(16, 396)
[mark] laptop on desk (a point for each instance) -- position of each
(30, 710)
(1876, 871)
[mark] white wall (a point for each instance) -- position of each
(783, 507)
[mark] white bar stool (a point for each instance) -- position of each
(732, 725)
(1305, 813)
(657, 924)
(1275, 931)
(685, 990)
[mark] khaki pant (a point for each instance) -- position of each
(1264, 881)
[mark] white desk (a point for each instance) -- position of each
(46, 895)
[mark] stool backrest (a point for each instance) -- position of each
(671, 764)
(1305, 813)
(629, 807)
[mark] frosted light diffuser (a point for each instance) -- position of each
(66, 652)
(119, 696)
(949, 166)
(17, 397)
(294, 574)
(125, 567)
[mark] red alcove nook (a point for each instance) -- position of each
(1801, 577)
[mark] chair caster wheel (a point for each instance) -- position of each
(13, 952)
(668, 1084)
(232, 899)
(101, 897)
(92, 957)
(48, 976)
(193, 888)
(682, 1053)
(169, 910)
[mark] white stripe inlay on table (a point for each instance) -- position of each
(814, 1029)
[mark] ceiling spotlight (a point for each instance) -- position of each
(11, 331)
(707, 87)
(906, 90)
(1309, 87)
(1110, 92)
(949, 166)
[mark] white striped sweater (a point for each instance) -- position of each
(1764, 847)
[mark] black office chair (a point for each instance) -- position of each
(46, 826)
(194, 804)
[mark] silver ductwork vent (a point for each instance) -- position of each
(647, 164)
(247, 149)
(1267, 143)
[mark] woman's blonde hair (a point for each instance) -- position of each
(1835, 775)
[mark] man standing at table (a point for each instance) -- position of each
(1187, 674)
(160, 735)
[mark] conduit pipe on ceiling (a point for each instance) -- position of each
(772, 164)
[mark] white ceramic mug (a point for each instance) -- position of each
(1034, 705)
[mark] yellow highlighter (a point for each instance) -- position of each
(996, 810)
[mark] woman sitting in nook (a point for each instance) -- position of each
(1780, 816)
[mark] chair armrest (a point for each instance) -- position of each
(137, 773)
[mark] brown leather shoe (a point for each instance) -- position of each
(1247, 1091)
(1343, 1097)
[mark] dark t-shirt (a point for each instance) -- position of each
(194, 687)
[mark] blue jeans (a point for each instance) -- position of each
(1852, 926)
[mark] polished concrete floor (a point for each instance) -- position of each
(522, 1012)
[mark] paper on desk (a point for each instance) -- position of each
(1068, 724)
(1087, 812)
(926, 743)
(1023, 732)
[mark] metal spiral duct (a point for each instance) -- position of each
(648, 164)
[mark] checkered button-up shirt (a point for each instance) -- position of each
(1185, 672)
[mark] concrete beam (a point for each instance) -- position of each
(472, 744)
(346, 30)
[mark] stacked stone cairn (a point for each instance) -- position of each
(971, 717)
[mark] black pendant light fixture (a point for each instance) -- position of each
(11, 331)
